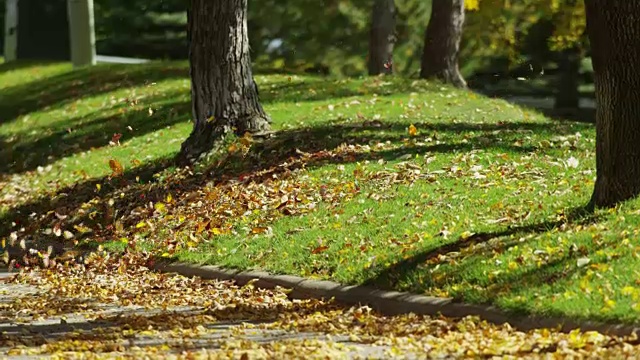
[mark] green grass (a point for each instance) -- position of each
(481, 204)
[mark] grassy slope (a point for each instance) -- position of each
(478, 204)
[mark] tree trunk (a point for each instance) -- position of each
(442, 42)
(224, 96)
(381, 37)
(567, 92)
(614, 31)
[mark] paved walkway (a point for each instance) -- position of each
(120, 309)
(117, 329)
(119, 60)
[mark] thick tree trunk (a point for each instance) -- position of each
(614, 31)
(224, 96)
(567, 92)
(381, 37)
(442, 42)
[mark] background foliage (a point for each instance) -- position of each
(510, 38)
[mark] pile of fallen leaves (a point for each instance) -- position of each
(183, 208)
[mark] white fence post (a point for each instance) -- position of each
(81, 32)
(11, 30)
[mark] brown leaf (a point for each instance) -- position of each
(319, 249)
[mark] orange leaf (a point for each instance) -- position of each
(202, 226)
(116, 167)
(413, 131)
(259, 230)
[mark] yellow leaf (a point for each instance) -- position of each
(472, 5)
(628, 290)
(169, 199)
(216, 231)
(465, 235)
(246, 140)
(98, 186)
(413, 131)
(166, 254)
(513, 265)
(609, 303)
(160, 207)
(141, 224)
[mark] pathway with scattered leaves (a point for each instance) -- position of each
(112, 308)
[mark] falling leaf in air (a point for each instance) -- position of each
(115, 139)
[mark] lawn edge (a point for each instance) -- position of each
(390, 302)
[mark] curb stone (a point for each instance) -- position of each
(391, 302)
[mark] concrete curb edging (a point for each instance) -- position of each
(390, 302)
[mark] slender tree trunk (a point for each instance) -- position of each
(381, 37)
(567, 92)
(614, 31)
(442, 42)
(224, 95)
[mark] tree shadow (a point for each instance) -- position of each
(482, 245)
(64, 88)
(22, 64)
(308, 90)
(83, 205)
(26, 153)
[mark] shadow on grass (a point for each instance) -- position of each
(75, 84)
(477, 245)
(87, 207)
(92, 131)
(25, 151)
(64, 88)
(22, 64)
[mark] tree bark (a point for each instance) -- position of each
(381, 37)
(224, 95)
(614, 32)
(567, 92)
(442, 42)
